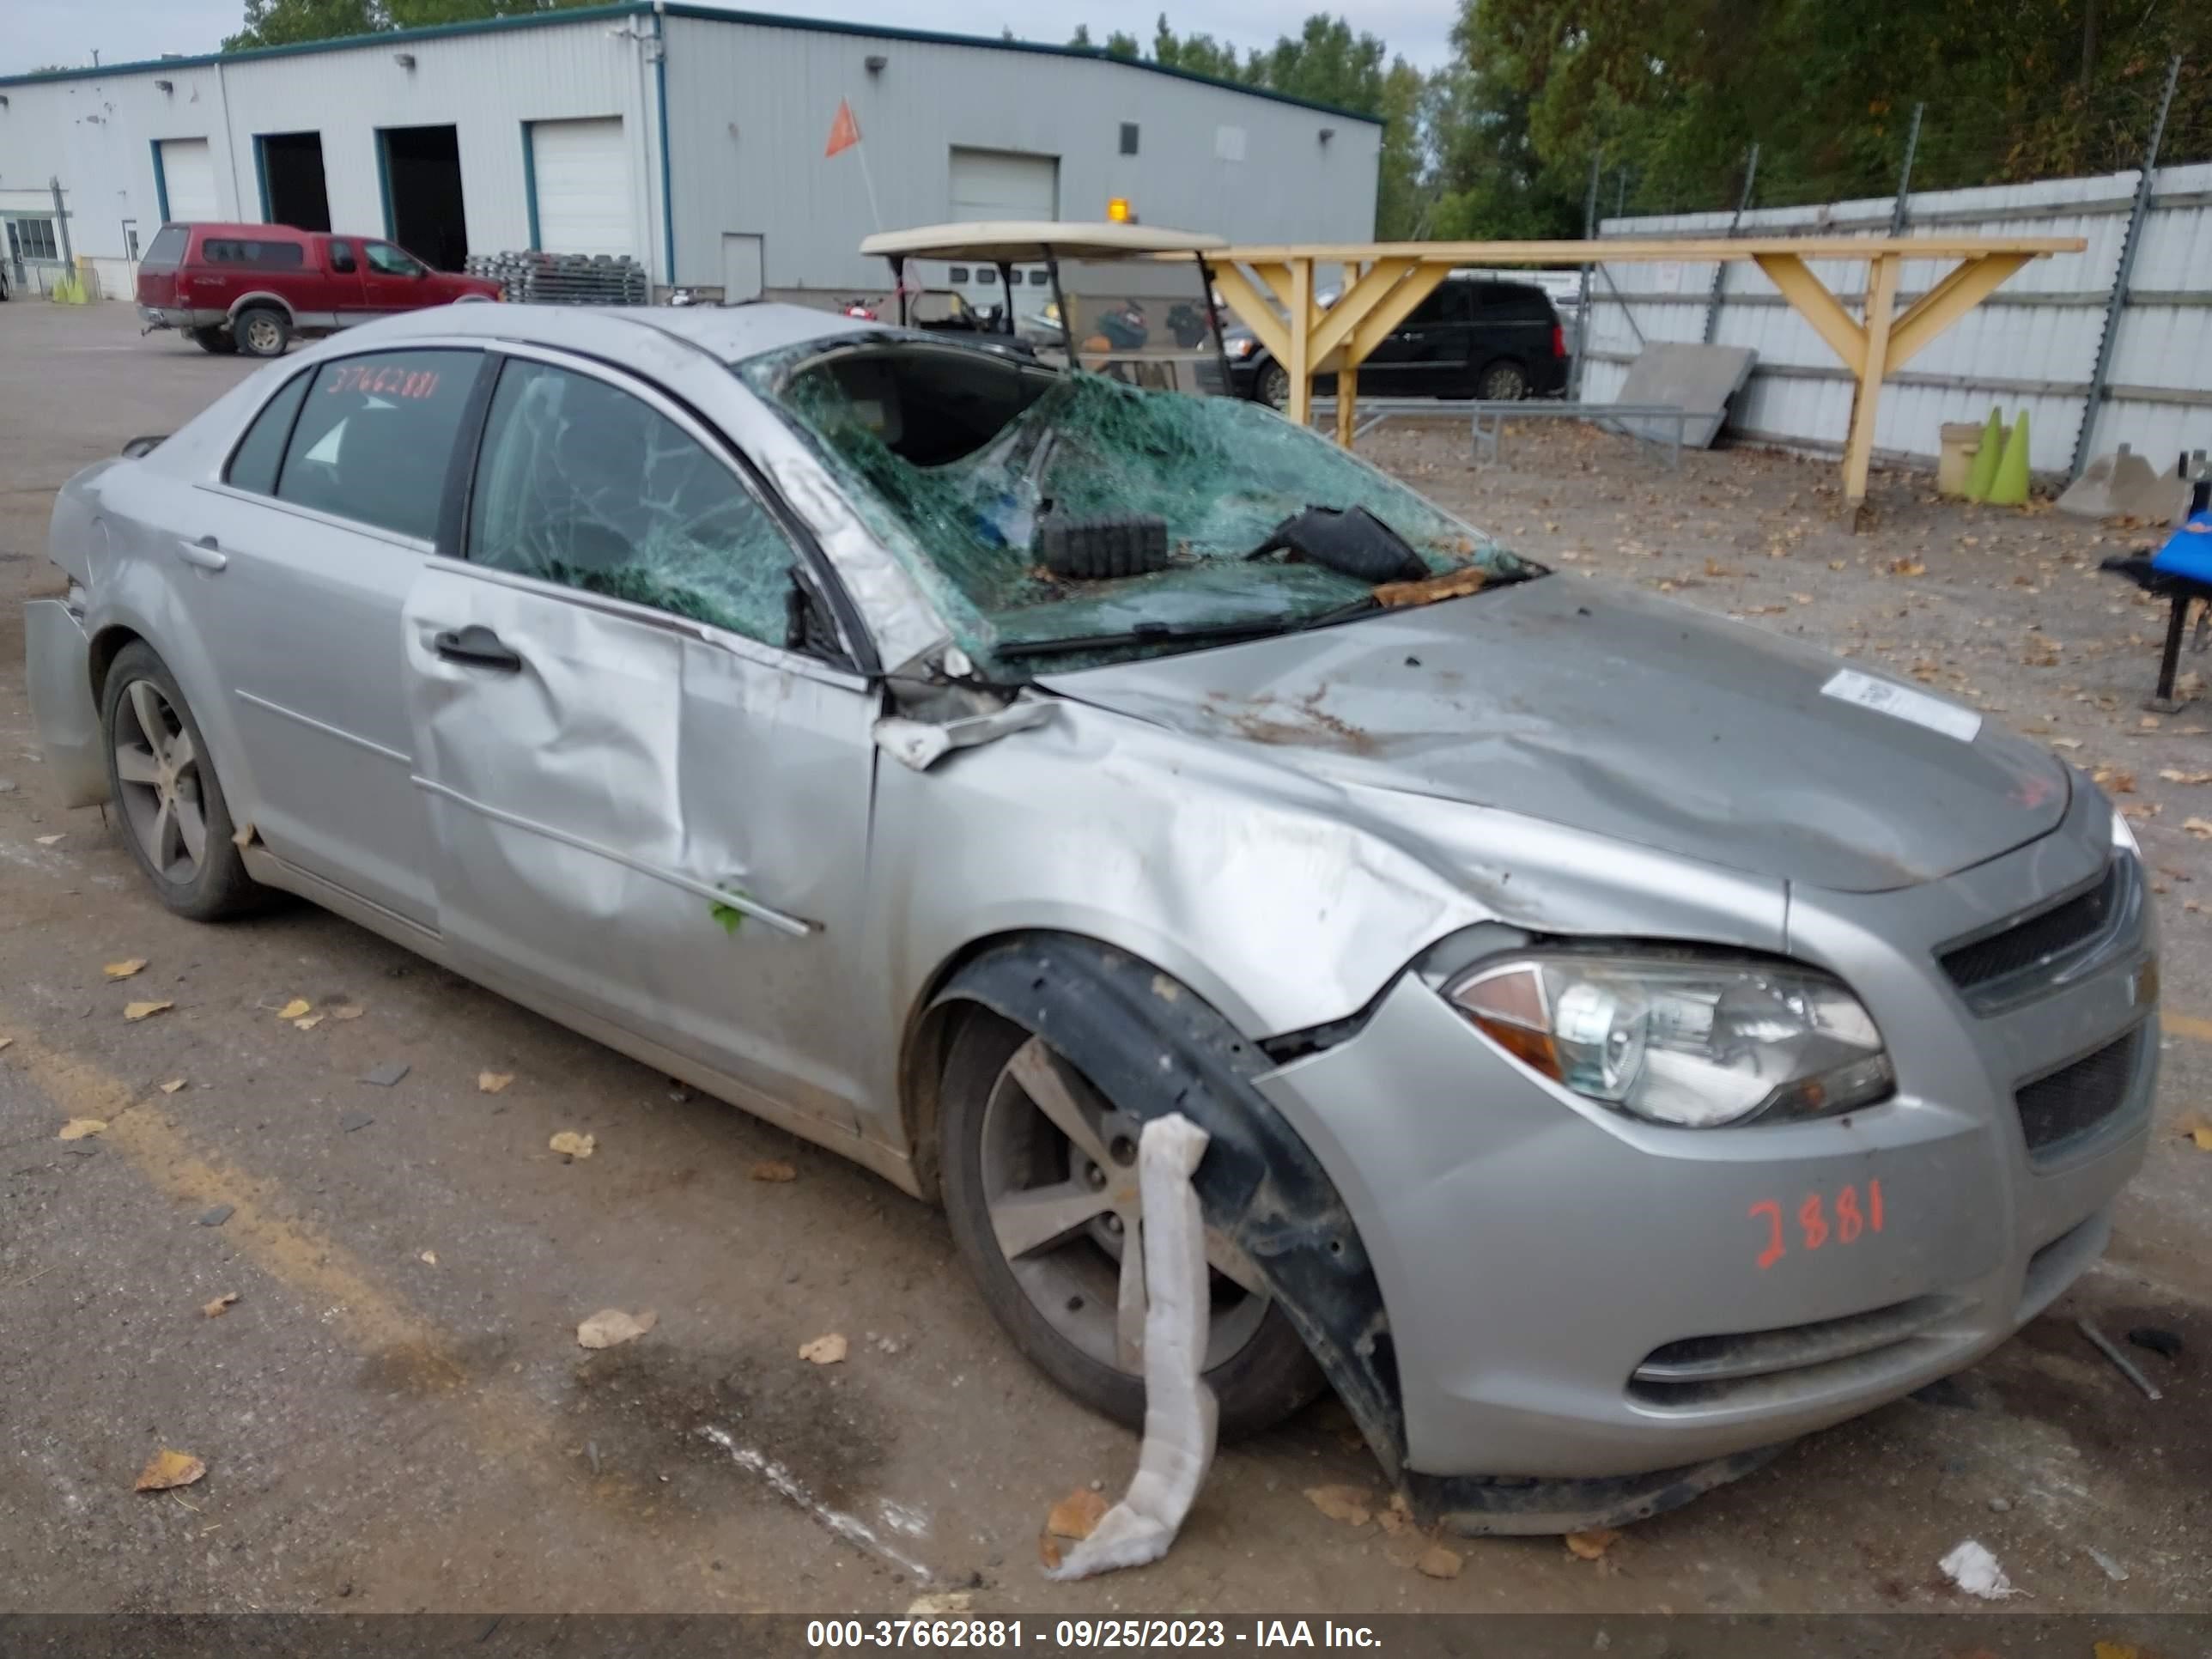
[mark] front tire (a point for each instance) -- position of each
(175, 816)
(262, 332)
(1044, 1219)
(1272, 386)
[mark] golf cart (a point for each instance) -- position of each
(1108, 282)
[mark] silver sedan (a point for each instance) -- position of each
(1629, 1040)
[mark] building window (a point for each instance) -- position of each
(32, 238)
(1128, 137)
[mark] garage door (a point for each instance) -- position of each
(583, 177)
(998, 184)
(1002, 184)
(188, 179)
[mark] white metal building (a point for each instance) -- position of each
(690, 138)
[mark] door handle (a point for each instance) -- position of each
(205, 554)
(476, 647)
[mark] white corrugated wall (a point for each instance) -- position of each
(2033, 346)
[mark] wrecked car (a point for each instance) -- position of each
(1629, 1040)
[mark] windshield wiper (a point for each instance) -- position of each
(1146, 634)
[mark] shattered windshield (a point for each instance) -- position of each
(1071, 519)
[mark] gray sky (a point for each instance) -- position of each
(69, 32)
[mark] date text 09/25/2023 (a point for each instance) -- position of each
(1063, 1634)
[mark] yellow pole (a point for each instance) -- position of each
(1874, 363)
(1299, 300)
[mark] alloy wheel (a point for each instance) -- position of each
(1060, 1184)
(262, 336)
(159, 771)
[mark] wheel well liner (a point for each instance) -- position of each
(1152, 1046)
(106, 646)
(246, 303)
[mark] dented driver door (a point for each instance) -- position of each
(638, 815)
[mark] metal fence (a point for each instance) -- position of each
(2109, 346)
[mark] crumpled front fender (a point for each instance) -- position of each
(58, 672)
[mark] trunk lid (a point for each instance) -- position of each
(1629, 717)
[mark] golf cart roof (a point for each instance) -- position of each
(1018, 241)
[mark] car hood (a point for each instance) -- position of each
(1625, 716)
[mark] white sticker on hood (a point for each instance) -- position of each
(1904, 704)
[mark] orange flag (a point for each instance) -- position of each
(844, 131)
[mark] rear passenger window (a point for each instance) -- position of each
(580, 483)
(253, 463)
(375, 436)
(259, 256)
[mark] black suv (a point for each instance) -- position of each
(1472, 337)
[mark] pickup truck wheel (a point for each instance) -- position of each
(1040, 1183)
(218, 340)
(262, 332)
(162, 779)
(1272, 386)
(1503, 381)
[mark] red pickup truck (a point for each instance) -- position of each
(253, 288)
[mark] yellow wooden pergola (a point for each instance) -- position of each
(1271, 289)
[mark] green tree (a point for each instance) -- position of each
(292, 22)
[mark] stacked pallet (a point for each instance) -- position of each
(565, 279)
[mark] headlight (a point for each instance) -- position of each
(2123, 837)
(1677, 1039)
(1241, 349)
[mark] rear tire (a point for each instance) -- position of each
(1503, 381)
(262, 332)
(218, 342)
(174, 816)
(1267, 1373)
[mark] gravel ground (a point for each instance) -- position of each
(395, 1415)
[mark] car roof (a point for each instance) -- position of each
(1021, 241)
(727, 332)
(223, 227)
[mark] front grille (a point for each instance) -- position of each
(2032, 944)
(2074, 1099)
(1769, 1367)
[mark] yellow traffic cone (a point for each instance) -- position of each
(1983, 472)
(2010, 487)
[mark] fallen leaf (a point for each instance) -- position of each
(2203, 1138)
(46, 840)
(78, 1128)
(940, 1604)
(491, 1083)
(1077, 1514)
(1438, 1562)
(429, 1258)
(144, 1010)
(774, 1168)
(2066, 743)
(2116, 783)
(2114, 1650)
(824, 1350)
(2200, 827)
(124, 969)
(6, 1041)
(1049, 1550)
(1906, 568)
(348, 1011)
(219, 1307)
(569, 1144)
(610, 1326)
(1589, 1545)
(308, 1022)
(294, 1008)
(1350, 1504)
(170, 1468)
(1392, 1521)
(2175, 775)
(173, 1085)
(2149, 723)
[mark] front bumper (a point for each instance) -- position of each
(1572, 1294)
(58, 671)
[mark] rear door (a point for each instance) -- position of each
(645, 807)
(302, 558)
(340, 282)
(1427, 357)
(1513, 324)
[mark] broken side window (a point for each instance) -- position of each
(579, 483)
